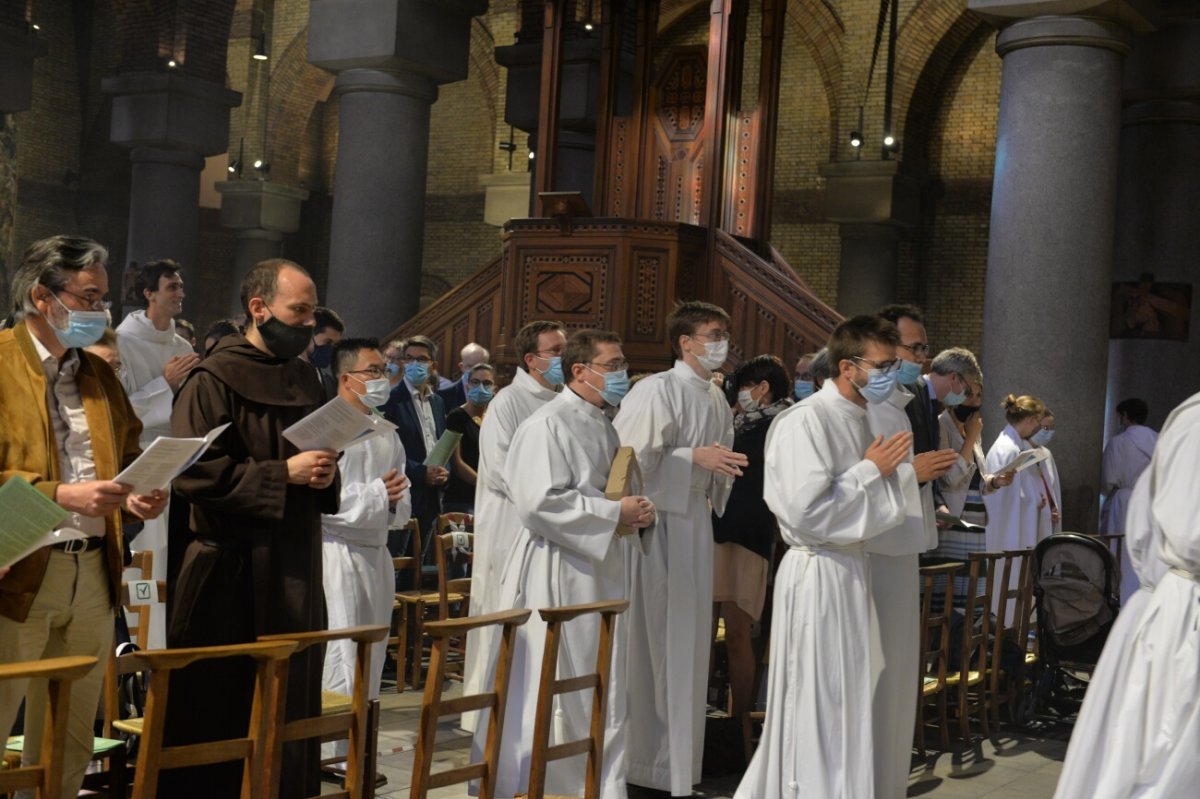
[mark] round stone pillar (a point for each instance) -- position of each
(867, 280)
(1046, 306)
(379, 197)
(164, 205)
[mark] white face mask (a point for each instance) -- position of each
(715, 353)
(377, 393)
(747, 401)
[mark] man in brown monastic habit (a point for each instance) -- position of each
(248, 562)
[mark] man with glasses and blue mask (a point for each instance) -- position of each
(681, 429)
(566, 552)
(357, 567)
(539, 348)
(833, 485)
(68, 430)
(420, 418)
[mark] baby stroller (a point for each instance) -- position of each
(1075, 593)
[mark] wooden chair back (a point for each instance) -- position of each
(935, 648)
(448, 545)
(139, 632)
(550, 686)
(349, 724)
(255, 749)
(1012, 589)
(971, 661)
(111, 701)
(45, 779)
(412, 561)
(434, 707)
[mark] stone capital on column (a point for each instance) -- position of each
(259, 205)
(1135, 15)
(19, 47)
(1058, 31)
(871, 192)
(159, 155)
(172, 111)
(386, 81)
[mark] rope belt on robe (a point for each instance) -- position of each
(815, 548)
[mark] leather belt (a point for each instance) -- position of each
(78, 546)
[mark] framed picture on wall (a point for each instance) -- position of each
(1150, 310)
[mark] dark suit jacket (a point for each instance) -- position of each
(926, 432)
(400, 411)
(454, 396)
(328, 383)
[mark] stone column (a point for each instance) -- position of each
(390, 56)
(875, 203)
(261, 212)
(19, 46)
(1046, 302)
(170, 121)
(1158, 180)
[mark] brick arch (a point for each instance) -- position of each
(195, 32)
(483, 64)
(821, 31)
(931, 39)
(296, 88)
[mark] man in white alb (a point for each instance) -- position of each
(539, 348)
(680, 427)
(832, 486)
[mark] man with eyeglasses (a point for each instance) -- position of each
(832, 486)
(68, 430)
(357, 567)
(566, 552)
(420, 418)
(680, 427)
(539, 348)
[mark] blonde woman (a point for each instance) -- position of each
(1020, 517)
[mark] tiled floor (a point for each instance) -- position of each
(1011, 766)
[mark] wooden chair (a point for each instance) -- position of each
(968, 673)
(1013, 611)
(434, 707)
(46, 777)
(419, 603)
(454, 593)
(255, 749)
(549, 686)
(410, 609)
(342, 716)
(935, 649)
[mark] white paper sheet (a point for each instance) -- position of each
(335, 425)
(1025, 460)
(164, 460)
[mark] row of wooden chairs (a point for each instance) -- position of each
(434, 706)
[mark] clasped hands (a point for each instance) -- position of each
(102, 497)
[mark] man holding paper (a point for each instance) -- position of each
(357, 574)
(68, 430)
(248, 562)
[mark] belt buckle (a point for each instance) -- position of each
(75, 545)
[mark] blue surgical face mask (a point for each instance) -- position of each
(954, 398)
(84, 328)
(879, 385)
(392, 369)
(616, 386)
(1042, 437)
(910, 372)
(480, 395)
(554, 373)
(416, 372)
(803, 389)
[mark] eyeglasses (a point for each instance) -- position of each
(93, 303)
(374, 371)
(714, 336)
(478, 383)
(425, 359)
(611, 366)
(887, 367)
(546, 355)
(919, 350)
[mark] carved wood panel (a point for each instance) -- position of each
(675, 152)
(570, 288)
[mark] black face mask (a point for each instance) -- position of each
(321, 356)
(964, 412)
(285, 341)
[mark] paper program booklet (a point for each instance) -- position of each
(1023, 461)
(165, 459)
(26, 515)
(624, 480)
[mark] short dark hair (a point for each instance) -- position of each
(760, 368)
(51, 263)
(326, 318)
(183, 324)
(262, 280)
(345, 353)
(219, 330)
(851, 338)
(526, 340)
(1136, 410)
(420, 341)
(687, 316)
(149, 273)
(581, 347)
(897, 311)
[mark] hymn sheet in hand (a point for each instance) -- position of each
(1023, 461)
(26, 515)
(164, 460)
(624, 480)
(334, 426)
(443, 449)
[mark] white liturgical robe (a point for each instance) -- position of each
(496, 521)
(565, 553)
(893, 560)
(1015, 520)
(356, 566)
(1140, 722)
(1127, 455)
(829, 500)
(663, 418)
(145, 351)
